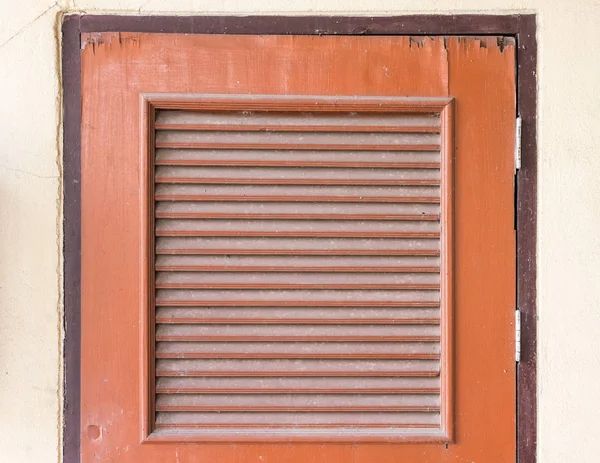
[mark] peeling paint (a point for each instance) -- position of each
(100, 39)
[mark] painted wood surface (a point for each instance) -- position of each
(118, 67)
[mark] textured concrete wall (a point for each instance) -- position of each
(29, 226)
(569, 201)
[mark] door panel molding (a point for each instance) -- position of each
(392, 110)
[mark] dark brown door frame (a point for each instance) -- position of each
(522, 27)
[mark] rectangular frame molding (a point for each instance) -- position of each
(152, 102)
(522, 27)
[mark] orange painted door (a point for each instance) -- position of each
(360, 306)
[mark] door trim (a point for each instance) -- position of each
(521, 27)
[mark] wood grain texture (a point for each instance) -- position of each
(526, 224)
(482, 79)
(429, 24)
(71, 78)
(110, 264)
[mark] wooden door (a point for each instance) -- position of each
(297, 248)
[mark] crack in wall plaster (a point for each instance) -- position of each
(26, 172)
(22, 29)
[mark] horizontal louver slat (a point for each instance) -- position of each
(320, 350)
(364, 141)
(298, 193)
(298, 315)
(297, 402)
(297, 176)
(297, 158)
(298, 228)
(197, 332)
(297, 211)
(272, 280)
(297, 247)
(296, 298)
(292, 367)
(286, 385)
(297, 270)
(424, 122)
(331, 419)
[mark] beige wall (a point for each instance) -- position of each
(569, 208)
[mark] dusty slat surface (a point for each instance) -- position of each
(297, 270)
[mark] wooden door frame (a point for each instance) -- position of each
(521, 27)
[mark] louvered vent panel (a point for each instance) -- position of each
(297, 272)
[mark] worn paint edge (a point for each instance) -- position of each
(526, 225)
(71, 164)
(423, 24)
